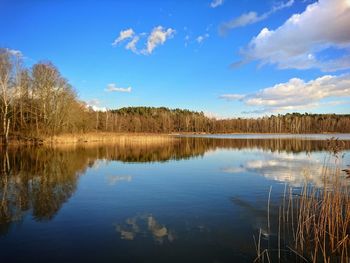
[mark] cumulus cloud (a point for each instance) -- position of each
(158, 36)
(113, 88)
(124, 34)
(298, 43)
(251, 17)
(216, 3)
(201, 38)
(296, 94)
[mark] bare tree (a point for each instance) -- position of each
(5, 90)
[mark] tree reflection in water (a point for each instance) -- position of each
(39, 180)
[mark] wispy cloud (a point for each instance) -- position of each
(132, 44)
(298, 42)
(201, 38)
(113, 88)
(123, 35)
(112, 180)
(251, 17)
(231, 96)
(214, 115)
(15, 52)
(216, 3)
(296, 94)
(93, 102)
(187, 39)
(158, 36)
(190, 38)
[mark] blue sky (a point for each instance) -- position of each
(227, 58)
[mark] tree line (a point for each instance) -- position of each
(38, 101)
(164, 120)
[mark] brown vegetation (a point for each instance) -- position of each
(314, 223)
(109, 137)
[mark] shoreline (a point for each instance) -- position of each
(91, 137)
(103, 137)
(95, 137)
(247, 133)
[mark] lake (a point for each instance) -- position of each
(192, 199)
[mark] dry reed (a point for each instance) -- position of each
(316, 220)
(120, 138)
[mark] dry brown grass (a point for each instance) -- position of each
(122, 138)
(322, 222)
(314, 222)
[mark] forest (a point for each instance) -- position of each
(39, 102)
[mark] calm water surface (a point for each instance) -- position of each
(195, 199)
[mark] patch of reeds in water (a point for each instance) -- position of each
(313, 223)
(109, 137)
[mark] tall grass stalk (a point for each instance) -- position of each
(316, 220)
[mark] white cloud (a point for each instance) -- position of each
(296, 94)
(294, 169)
(187, 39)
(157, 37)
(113, 88)
(234, 170)
(242, 20)
(94, 104)
(201, 38)
(232, 96)
(299, 41)
(124, 34)
(252, 17)
(132, 44)
(15, 52)
(214, 115)
(216, 3)
(97, 108)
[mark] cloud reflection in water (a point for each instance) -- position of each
(144, 225)
(295, 169)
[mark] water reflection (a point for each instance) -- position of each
(114, 179)
(294, 169)
(40, 180)
(144, 225)
(291, 145)
(94, 196)
(257, 215)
